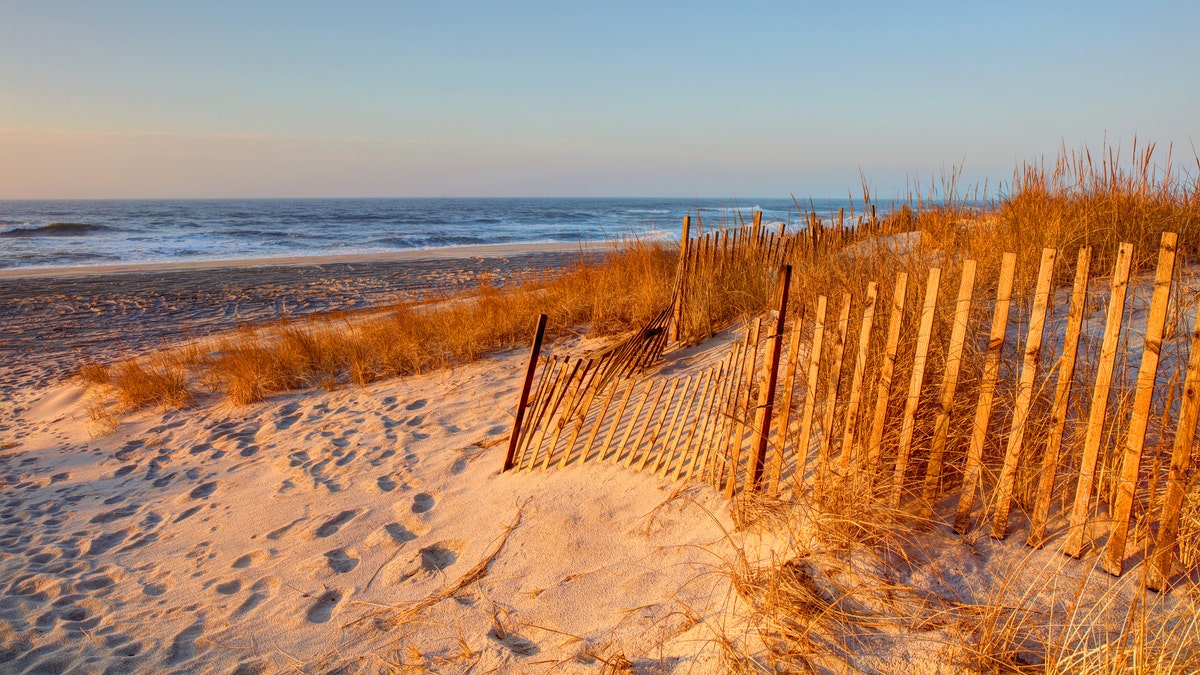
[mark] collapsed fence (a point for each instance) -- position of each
(963, 434)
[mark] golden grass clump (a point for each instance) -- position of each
(155, 382)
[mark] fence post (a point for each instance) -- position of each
(524, 399)
(684, 243)
(766, 399)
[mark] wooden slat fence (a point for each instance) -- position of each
(967, 421)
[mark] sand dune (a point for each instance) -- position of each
(255, 538)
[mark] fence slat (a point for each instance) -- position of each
(1016, 435)
(831, 396)
(887, 370)
(941, 424)
(669, 441)
(789, 384)
(810, 396)
(688, 432)
(564, 416)
(1081, 509)
(601, 415)
(727, 411)
(612, 430)
(662, 416)
(637, 412)
(1162, 560)
(712, 421)
(860, 367)
(987, 390)
(584, 407)
(739, 424)
(559, 390)
(909, 420)
(1062, 394)
(1114, 552)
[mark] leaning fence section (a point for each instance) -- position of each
(931, 396)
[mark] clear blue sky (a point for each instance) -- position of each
(690, 99)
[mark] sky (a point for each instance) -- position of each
(152, 99)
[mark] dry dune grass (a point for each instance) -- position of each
(831, 600)
(607, 294)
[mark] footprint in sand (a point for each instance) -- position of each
(115, 514)
(107, 541)
(441, 555)
(183, 647)
(229, 587)
(277, 534)
(422, 503)
(417, 404)
(188, 513)
(331, 526)
(322, 609)
(427, 561)
(251, 559)
(203, 491)
(386, 484)
(340, 561)
(263, 589)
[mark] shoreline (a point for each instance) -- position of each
(411, 255)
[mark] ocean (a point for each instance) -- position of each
(100, 232)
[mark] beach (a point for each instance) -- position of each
(369, 528)
(351, 528)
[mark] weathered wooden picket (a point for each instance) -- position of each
(968, 447)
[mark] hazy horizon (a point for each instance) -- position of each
(132, 100)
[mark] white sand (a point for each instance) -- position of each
(213, 538)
